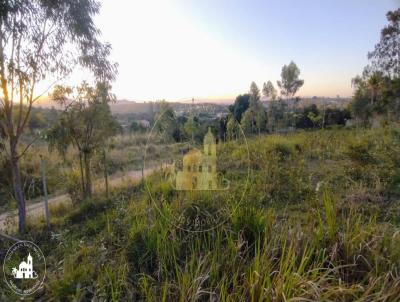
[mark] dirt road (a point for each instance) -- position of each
(37, 209)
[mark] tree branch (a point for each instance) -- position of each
(28, 146)
(9, 237)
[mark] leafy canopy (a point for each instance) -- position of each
(290, 82)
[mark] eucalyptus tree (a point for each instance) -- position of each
(290, 82)
(165, 122)
(192, 128)
(386, 55)
(255, 116)
(85, 123)
(269, 91)
(254, 94)
(42, 41)
(232, 128)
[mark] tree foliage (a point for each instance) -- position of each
(85, 123)
(240, 106)
(254, 94)
(166, 123)
(386, 55)
(290, 82)
(269, 91)
(232, 128)
(42, 41)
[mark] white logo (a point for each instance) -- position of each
(24, 268)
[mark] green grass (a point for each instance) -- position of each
(319, 222)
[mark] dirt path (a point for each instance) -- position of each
(37, 209)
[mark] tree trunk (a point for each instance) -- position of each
(105, 172)
(46, 200)
(82, 175)
(18, 191)
(86, 159)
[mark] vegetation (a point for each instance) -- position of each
(85, 123)
(41, 40)
(377, 91)
(311, 213)
(290, 82)
(319, 221)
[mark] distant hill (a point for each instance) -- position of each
(207, 105)
(319, 101)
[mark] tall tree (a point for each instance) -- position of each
(42, 40)
(375, 84)
(290, 82)
(386, 55)
(232, 128)
(256, 110)
(248, 123)
(191, 128)
(240, 106)
(85, 123)
(254, 94)
(269, 91)
(165, 122)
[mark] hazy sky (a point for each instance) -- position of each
(177, 50)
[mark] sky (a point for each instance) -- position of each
(208, 49)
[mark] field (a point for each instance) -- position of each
(319, 221)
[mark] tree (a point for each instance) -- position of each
(254, 94)
(336, 116)
(191, 128)
(261, 120)
(377, 89)
(166, 123)
(309, 117)
(361, 103)
(39, 41)
(85, 123)
(240, 106)
(247, 122)
(256, 110)
(386, 55)
(290, 82)
(315, 119)
(269, 91)
(232, 128)
(255, 113)
(375, 84)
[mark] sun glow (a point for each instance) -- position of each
(166, 55)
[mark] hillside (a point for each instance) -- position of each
(319, 221)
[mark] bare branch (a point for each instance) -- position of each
(28, 146)
(9, 237)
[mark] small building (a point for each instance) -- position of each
(199, 168)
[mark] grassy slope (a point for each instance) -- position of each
(320, 221)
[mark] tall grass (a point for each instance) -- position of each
(308, 229)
